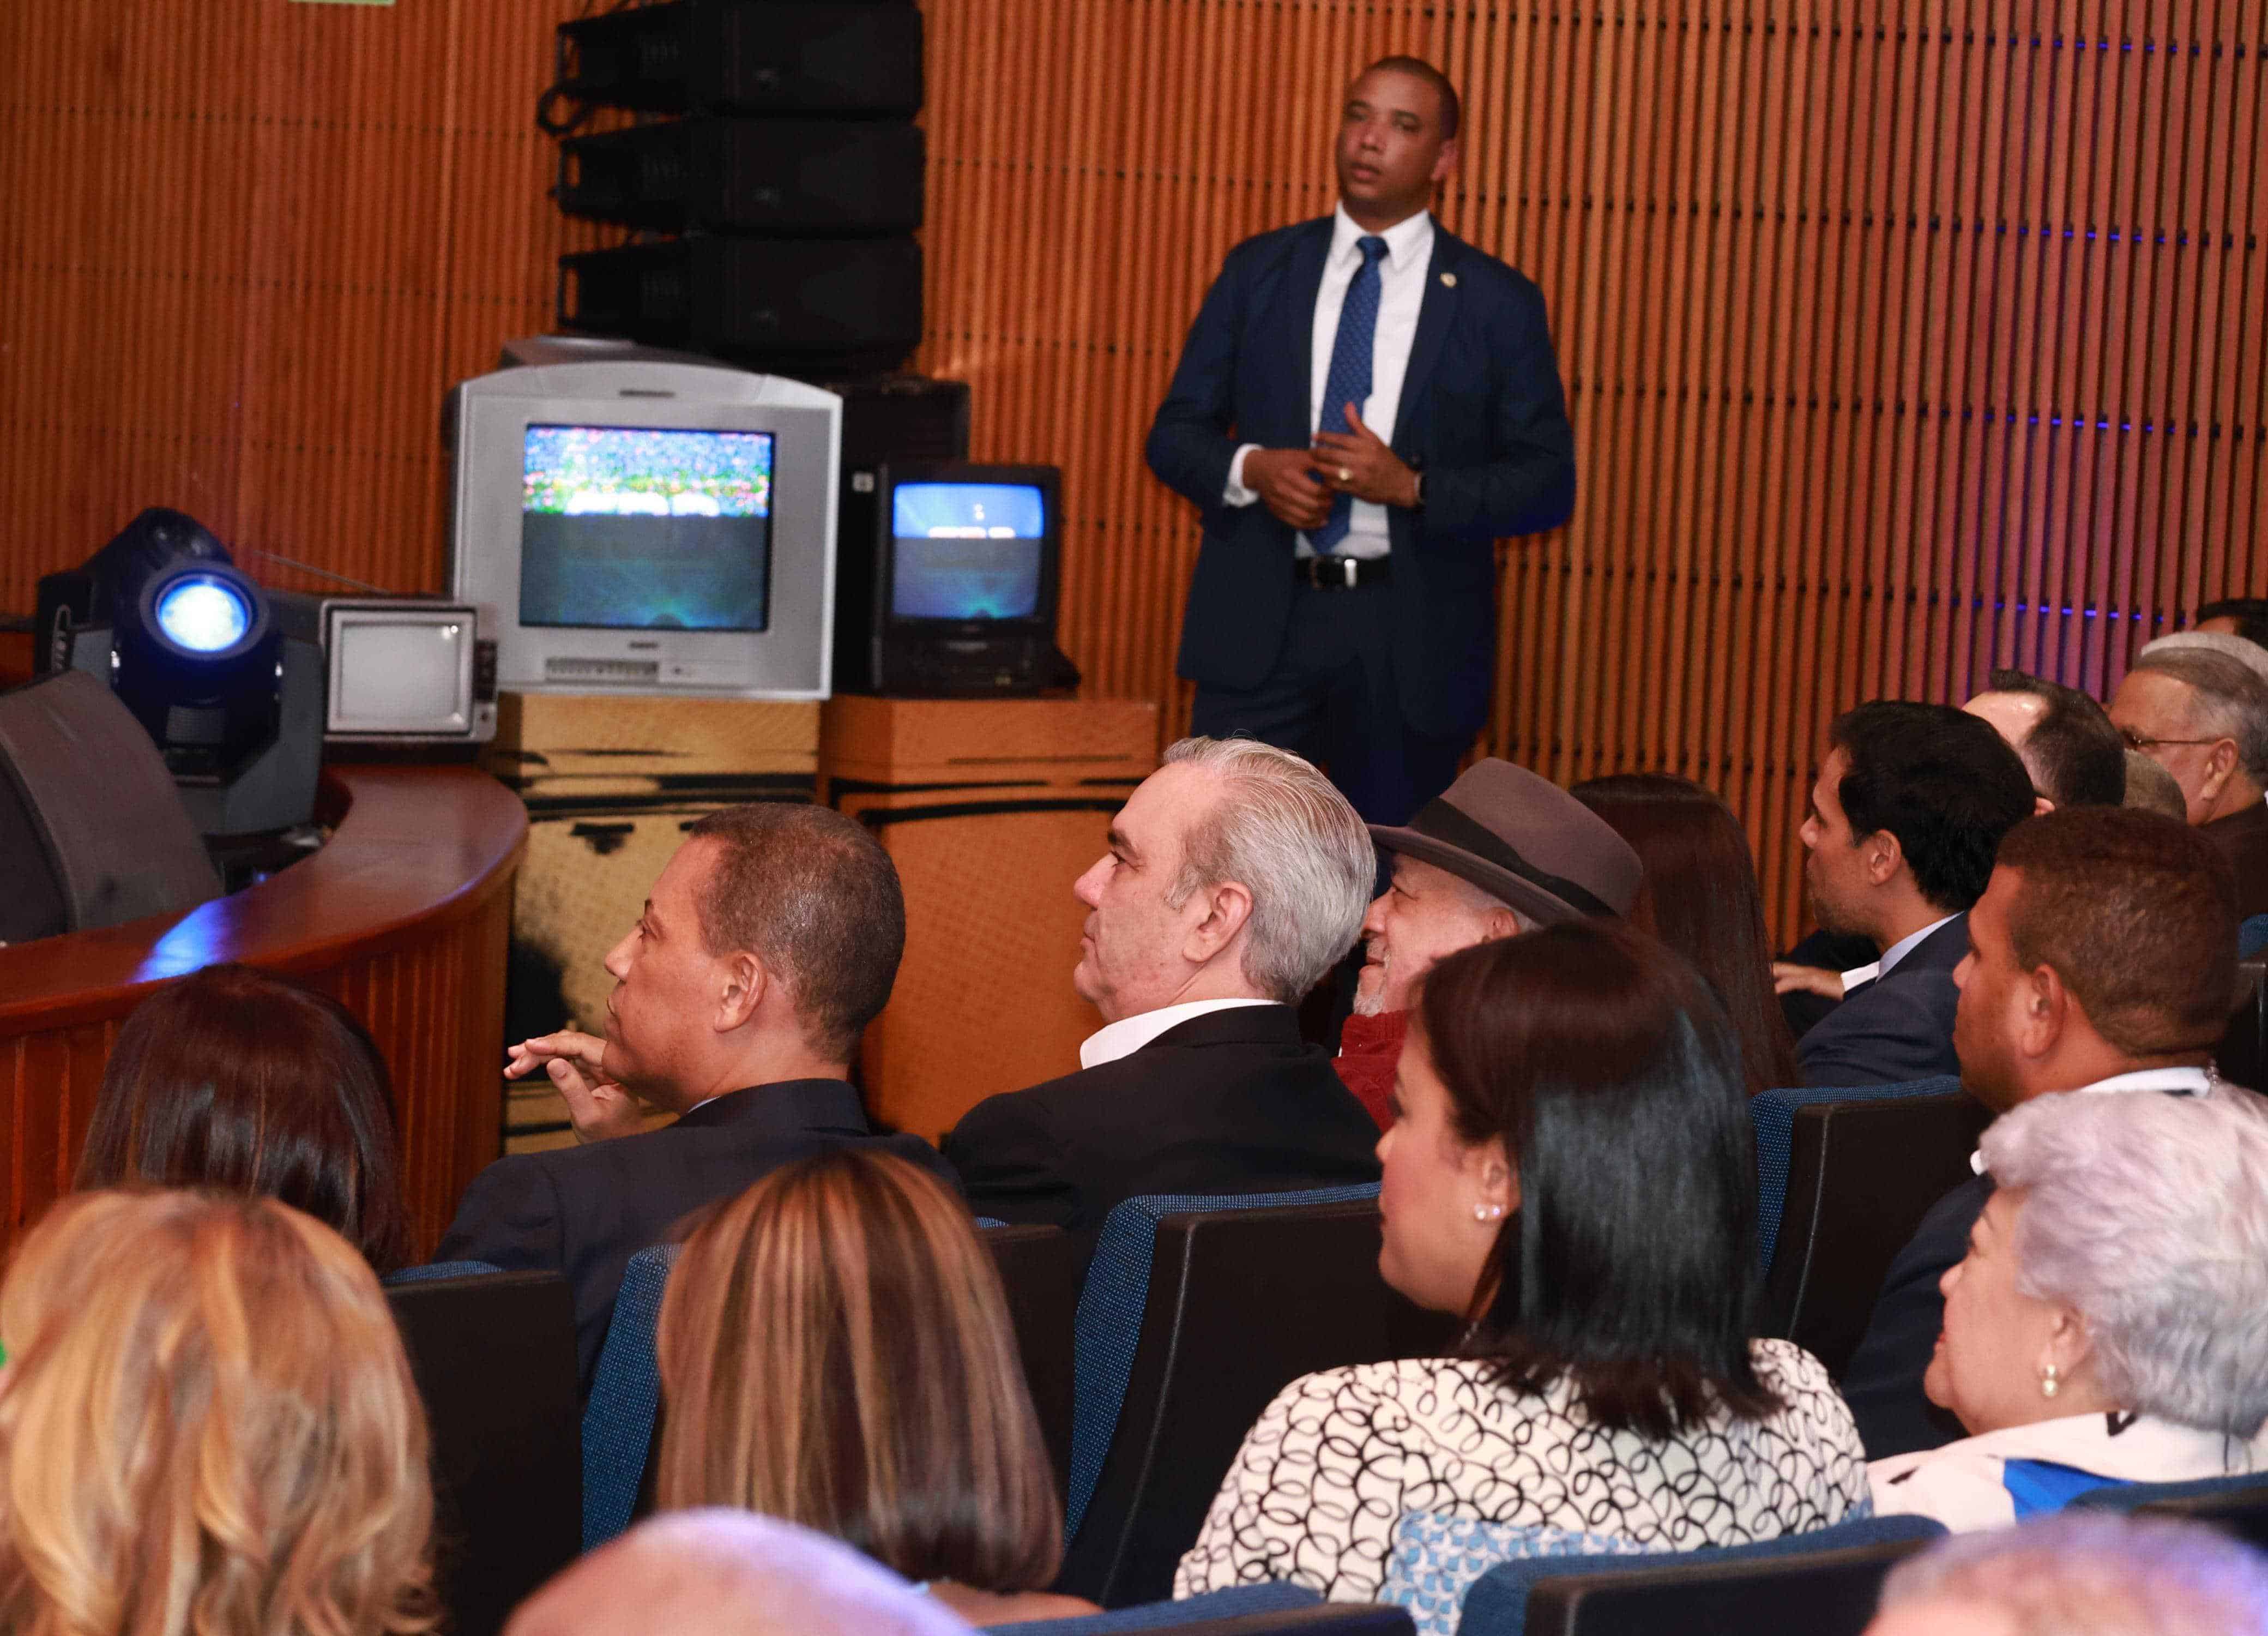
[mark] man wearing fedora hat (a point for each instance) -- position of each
(1502, 851)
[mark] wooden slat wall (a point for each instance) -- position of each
(1903, 338)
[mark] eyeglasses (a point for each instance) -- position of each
(2137, 741)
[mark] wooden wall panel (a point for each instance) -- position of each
(1903, 338)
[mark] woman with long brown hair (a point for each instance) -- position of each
(836, 1351)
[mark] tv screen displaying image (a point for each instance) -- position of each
(966, 551)
(627, 528)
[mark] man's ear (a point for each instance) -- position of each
(2220, 767)
(2048, 1007)
(1884, 856)
(1499, 922)
(746, 983)
(1445, 163)
(1228, 907)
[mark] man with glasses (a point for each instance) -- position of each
(2197, 705)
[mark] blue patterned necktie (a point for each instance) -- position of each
(1349, 380)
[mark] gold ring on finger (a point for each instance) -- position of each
(1345, 475)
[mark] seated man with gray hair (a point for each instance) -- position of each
(1236, 877)
(2196, 704)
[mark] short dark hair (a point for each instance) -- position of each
(1610, 1073)
(2137, 913)
(1453, 108)
(2250, 614)
(1941, 780)
(2075, 755)
(814, 896)
(234, 1079)
(1700, 895)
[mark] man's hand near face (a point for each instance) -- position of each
(597, 1106)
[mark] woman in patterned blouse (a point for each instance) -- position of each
(1571, 1170)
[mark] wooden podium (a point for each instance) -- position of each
(990, 808)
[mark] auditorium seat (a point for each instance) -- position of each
(1198, 1310)
(2239, 1505)
(432, 1272)
(494, 1356)
(1823, 1583)
(2243, 1055)
(1843, 1178)
(1241, 1610)
(618, 1424)
(1042, 1269)
(2252, 938)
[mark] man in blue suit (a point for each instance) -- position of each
(1363, 406)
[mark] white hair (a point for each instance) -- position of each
(2078, 1574)
(2228, 693)
(1284, 832)
(2148, 1215)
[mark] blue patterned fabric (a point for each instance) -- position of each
(1238, 1602)
(2040, 1487)
(1349, 378)
(1497, 1605)
(1110, 1324)
(433, 1270)
(1437, 1557)
(625, 1393)
(1773, 1115)
(2252, 937)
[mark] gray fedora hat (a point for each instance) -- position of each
(1524, 841)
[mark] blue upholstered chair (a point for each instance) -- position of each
(625, 1397)
(431, 1270)
(2237, 1504)
(2252, 938)
(1822, 1583)
(1246, 1609)
(1843, 1178)
(1172, 1369)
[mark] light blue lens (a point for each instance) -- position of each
(203, 615)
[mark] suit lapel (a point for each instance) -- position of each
(1435, 311)
(1307, 277)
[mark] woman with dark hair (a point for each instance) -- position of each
(235, 1079)
(1700, 897)
(1572, 1170)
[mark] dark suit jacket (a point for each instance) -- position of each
(1232, 1102)
(585, 1212)
(1481, 414)
(2242, 839)
(1882, 1384)
(1897, 1028)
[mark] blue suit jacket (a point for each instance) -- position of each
(1897, 1029)
(1481, 414)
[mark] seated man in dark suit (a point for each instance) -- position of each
(1236, 877)
(1907, 810)
(769, 942)
(2102, 957)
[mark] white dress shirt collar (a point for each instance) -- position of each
(1408, 240)
(1128, 1035)
(2172, 1081)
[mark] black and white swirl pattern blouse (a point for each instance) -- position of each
(1341, 1456)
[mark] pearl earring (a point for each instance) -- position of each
(2048, 1381)
(1487, 1212)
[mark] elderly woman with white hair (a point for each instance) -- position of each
(2110, 1325)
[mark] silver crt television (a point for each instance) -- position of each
(629, 521)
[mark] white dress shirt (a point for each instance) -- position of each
(2171, 1082)
(1891, 956)
(1400, 293)
(1128, 1035)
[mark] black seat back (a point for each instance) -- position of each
(1824, 1593)
(1861, 1176)
(2236, 1505)
(1041, 1269)
(2242, 1058)
(494, 1356)
(1239, 1304)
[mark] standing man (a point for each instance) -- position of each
(1363, 406)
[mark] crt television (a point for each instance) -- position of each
(629, 520)
(949, 573)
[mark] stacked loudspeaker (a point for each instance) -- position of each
(777, 153)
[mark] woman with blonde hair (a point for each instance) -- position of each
(836, 1351)
(207, 1425)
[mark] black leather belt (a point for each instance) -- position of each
(1341, 573)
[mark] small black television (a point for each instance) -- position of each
(947, 580)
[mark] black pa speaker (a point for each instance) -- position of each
(797, 176)
(754, 56)
(808, 305)
(93, 831)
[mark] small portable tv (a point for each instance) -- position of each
(949, 579)
(405, 670)
(629, 521)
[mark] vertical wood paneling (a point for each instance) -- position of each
(1904, 338)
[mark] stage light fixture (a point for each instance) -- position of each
(203, 614)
